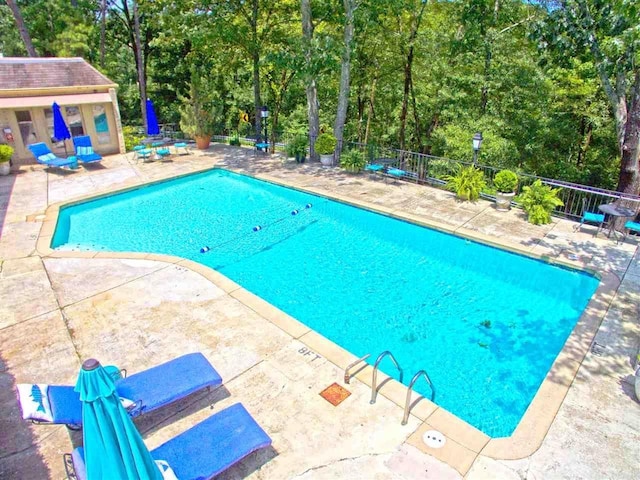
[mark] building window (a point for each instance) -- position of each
(74, 121)
(101, 123)
(25, 123)
(58, 146)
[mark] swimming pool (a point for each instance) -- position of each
(484, 323)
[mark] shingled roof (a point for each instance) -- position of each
(18, 73)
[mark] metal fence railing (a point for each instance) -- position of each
(428, 169)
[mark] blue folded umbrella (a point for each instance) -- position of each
(152, 121)
(113, 446)
(60, 129)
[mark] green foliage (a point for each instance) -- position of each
(476, 67)
(466, 182)
(297, 146)
(353, 160)
(196, 111)
(234, 141)
(132, 137)
(5, 153)
(539, 201)
(505, 181)
(325, 144)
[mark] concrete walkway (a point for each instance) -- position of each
(56, 311)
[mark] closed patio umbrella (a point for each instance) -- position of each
(113, 447)
(152, 121)
(60, 130)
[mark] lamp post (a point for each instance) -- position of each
(477, 143)
(264, 113)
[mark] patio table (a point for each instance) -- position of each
(614, 210)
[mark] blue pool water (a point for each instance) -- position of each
(484, 323)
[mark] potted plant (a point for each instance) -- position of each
(297, 148)
(196, 117)
(5, 155)
(353, 161)
(466, 182)
(538, 201)
(325, 146)
(505, 182)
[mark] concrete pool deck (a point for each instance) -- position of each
(57, 309)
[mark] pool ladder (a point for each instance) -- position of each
(374, 380)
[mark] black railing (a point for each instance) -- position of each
(428, 169)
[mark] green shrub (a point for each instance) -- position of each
(353, 161)
(467, 182)
(505, 181)
(235, 141)
(539, 201)
(297, 146)
(5, 153)
(132, 137)
(325, 144)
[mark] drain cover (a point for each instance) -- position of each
(335, 394)
(434, 439)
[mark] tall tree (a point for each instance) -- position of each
(142, 79)
(103, 31)
(313, 106)
(345, 79)
(408, 53)
(22, 28)
(606, 32)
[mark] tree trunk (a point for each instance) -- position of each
(313, 107)
(255, 56)
(103, 31)
(629, 180)
(22, 28)
(343, 97)
(372, 98)
(142, 82)
(408, 67)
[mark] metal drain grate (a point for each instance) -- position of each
(335, 394)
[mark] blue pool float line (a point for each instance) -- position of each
(257, 228)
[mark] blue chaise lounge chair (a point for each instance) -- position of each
(202, 452)
(84, 150)
(143, 392)
(47, 157)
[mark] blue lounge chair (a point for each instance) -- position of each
(161, 150)
(142, 152)
(373, 169)
(84, 150)
(590, 217)
(148, 390)
(202, 452)
(629, 227)
(46, 157)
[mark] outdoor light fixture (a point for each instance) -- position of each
(477, 143)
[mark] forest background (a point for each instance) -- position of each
(553, 86)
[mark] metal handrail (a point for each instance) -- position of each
(405, 418)
(347, 375)
(374, 381)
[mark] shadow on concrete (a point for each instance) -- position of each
(6, 188)
(19, 456)
(158, 419)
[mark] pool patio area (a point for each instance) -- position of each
(138, 310)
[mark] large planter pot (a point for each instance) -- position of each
(326, 160)
(5, 168)
(503, 201)
(203, 142)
